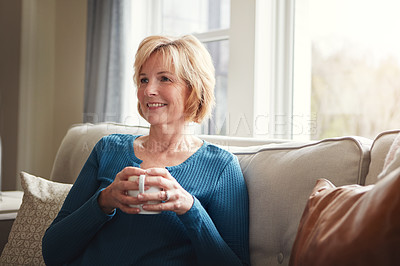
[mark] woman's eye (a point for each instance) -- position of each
(144, 80)
(165, 79)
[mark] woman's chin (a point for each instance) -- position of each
(163, 121)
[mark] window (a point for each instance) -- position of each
(349, 52)
(228, 30)
(252, 44)
(209, 20)
(293, 69)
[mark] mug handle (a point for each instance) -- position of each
(141, 183)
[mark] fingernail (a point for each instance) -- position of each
(140, 196)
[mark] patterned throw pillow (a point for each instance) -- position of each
(41, 202)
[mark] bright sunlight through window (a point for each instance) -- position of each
(355, 83)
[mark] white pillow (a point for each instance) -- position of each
(41, 203)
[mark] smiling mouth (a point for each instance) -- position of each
(156, 105)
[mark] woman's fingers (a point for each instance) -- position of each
(179, 202)
(159, 172)
(129, 171)
(122, 179)
(173, 197)
(115, 195)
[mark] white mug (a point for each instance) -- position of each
(135, 193)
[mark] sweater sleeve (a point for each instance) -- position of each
(79, 219)
(220, 234)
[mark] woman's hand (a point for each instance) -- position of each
(175, 198)
(115, 195)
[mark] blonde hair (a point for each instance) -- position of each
(191, 62)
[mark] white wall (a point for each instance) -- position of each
(10, 24)
(51, 82)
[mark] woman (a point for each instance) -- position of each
(204, 201)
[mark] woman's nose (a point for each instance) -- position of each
(151, 88)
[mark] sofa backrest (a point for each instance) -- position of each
(77, 144)
(81, 138)
(379, 150)
(280, 176)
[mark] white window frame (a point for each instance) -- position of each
(281, 92)
(269, 57)
(304, 122)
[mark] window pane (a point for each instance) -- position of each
(194, 16)
(219, 51)
(355, 66)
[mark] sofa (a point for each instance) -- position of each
(280, 176)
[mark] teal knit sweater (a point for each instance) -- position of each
(213, 232)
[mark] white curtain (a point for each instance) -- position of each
(106, 74)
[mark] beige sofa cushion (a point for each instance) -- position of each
(280, 177)
(379, 150)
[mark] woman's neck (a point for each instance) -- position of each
(164, 139)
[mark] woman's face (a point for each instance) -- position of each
(161, 94)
